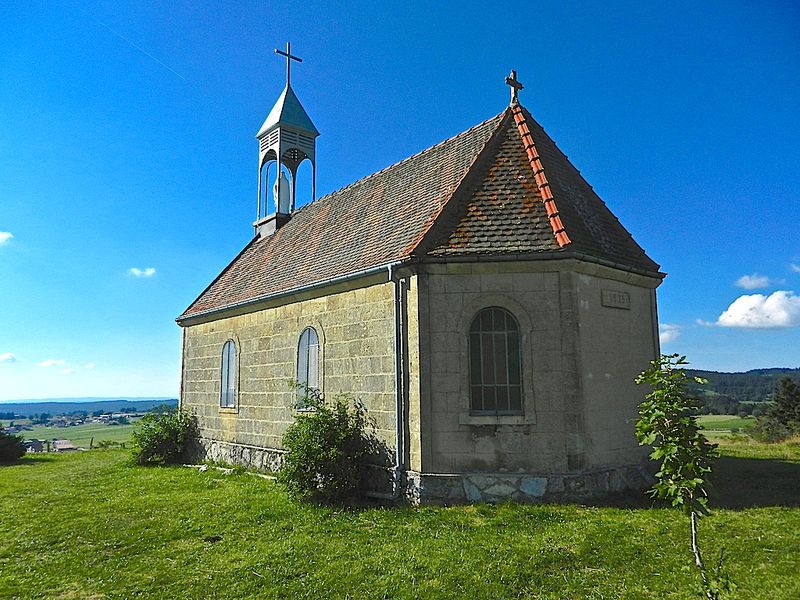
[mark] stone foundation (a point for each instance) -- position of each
(456, 488)
(267, 460)
(445, 488)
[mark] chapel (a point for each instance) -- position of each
(478, 297)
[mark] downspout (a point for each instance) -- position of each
(183, 368)
(399, 381)
(399, 388)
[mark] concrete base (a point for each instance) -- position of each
(447, 488)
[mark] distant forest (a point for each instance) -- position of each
(81, 405)
(738, 393)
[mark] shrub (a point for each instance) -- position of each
(102, 444)
(12, 447)
(327, 449)
(162, 439)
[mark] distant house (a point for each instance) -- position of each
(63, 446)
(34, 445)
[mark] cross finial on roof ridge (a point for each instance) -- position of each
(289, 59)
(514, 84)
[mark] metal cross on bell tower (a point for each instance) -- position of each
(289, 59)
(516, 86)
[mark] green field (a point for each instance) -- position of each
(725, 422)
(81, 435)
(88, 525)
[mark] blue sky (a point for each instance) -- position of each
(127, 142)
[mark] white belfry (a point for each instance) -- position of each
(285, 140)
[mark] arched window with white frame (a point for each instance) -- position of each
(308, 360)
(495, 363)
(229, 377)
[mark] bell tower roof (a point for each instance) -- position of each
(288, 111)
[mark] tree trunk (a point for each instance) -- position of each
(698, 559)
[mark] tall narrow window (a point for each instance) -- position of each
(227, 390)
(308, 360)
(495, 363)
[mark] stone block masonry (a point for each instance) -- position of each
(528, 488)
(356, 335)
(579, 352)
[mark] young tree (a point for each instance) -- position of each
(782, 418)
(666, 424)
(786, 407)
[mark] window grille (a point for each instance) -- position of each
(227, 393)
(495, 363)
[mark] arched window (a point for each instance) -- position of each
(495, 363)
(308, 360)
(227, 390)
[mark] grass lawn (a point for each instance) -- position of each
(725, 422)
(87, 525)
(81, 435)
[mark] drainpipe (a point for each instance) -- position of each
(398, 469)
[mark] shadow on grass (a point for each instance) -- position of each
(30, 460)
(754, 482)
(735, 484)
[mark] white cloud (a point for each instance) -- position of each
(794, 268)
(50, 362)
(7, 357)
(67, 371)
(752, 282)
(704, 323)
(148, 272)
(5, 236)
(667, 332)
(780, 309)
(90, 366)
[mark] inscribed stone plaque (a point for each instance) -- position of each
(615, 299)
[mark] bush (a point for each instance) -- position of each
(12, 447)
(328, 447)
(164, 439)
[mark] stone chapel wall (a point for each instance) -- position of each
(356, 335)
(618, 338)
(450, 296)
(579, 360)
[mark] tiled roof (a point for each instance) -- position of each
(503, 214)
(502, 187)
(369, 223)
(591, 227)
(531, 199)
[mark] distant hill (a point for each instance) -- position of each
(63, 406)
(730, 393)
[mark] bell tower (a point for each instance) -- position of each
(285, 140)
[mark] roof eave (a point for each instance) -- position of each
(184, 319)
(540, 256)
